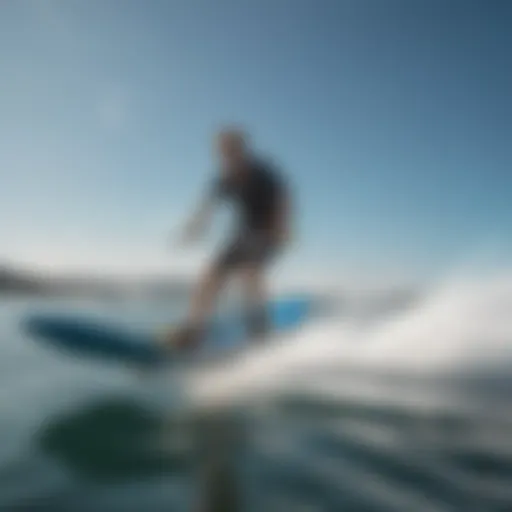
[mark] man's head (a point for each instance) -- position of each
(232, 148)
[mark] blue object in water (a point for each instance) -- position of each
(103, 340)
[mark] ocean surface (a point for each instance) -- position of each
(395, 409)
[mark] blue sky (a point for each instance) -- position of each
(392, 120)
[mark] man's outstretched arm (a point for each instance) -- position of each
(199, 221)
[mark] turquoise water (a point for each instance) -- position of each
(89, 437)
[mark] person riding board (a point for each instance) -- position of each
(261, 199)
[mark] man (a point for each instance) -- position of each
(262, 205)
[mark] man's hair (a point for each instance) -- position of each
(235, 134)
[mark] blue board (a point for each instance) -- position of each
(104, 340)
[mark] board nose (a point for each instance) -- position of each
(43, 326)
(35, 325)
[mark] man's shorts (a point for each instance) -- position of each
(246, 249)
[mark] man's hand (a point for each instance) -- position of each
(197, 224)
(191, 233)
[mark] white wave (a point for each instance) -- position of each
(464, 325)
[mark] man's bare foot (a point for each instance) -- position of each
(181, 338)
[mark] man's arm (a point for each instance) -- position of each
(197, 224)
(201, 217)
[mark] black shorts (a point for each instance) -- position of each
(246, 249)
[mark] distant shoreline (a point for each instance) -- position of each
(17, 282)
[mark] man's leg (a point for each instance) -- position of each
(260, 252)
(205, 295)
(204, 299)
(255, 295)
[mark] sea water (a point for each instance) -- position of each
(406, 411)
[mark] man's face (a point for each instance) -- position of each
(231, 150)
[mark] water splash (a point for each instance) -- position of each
(461, 327)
